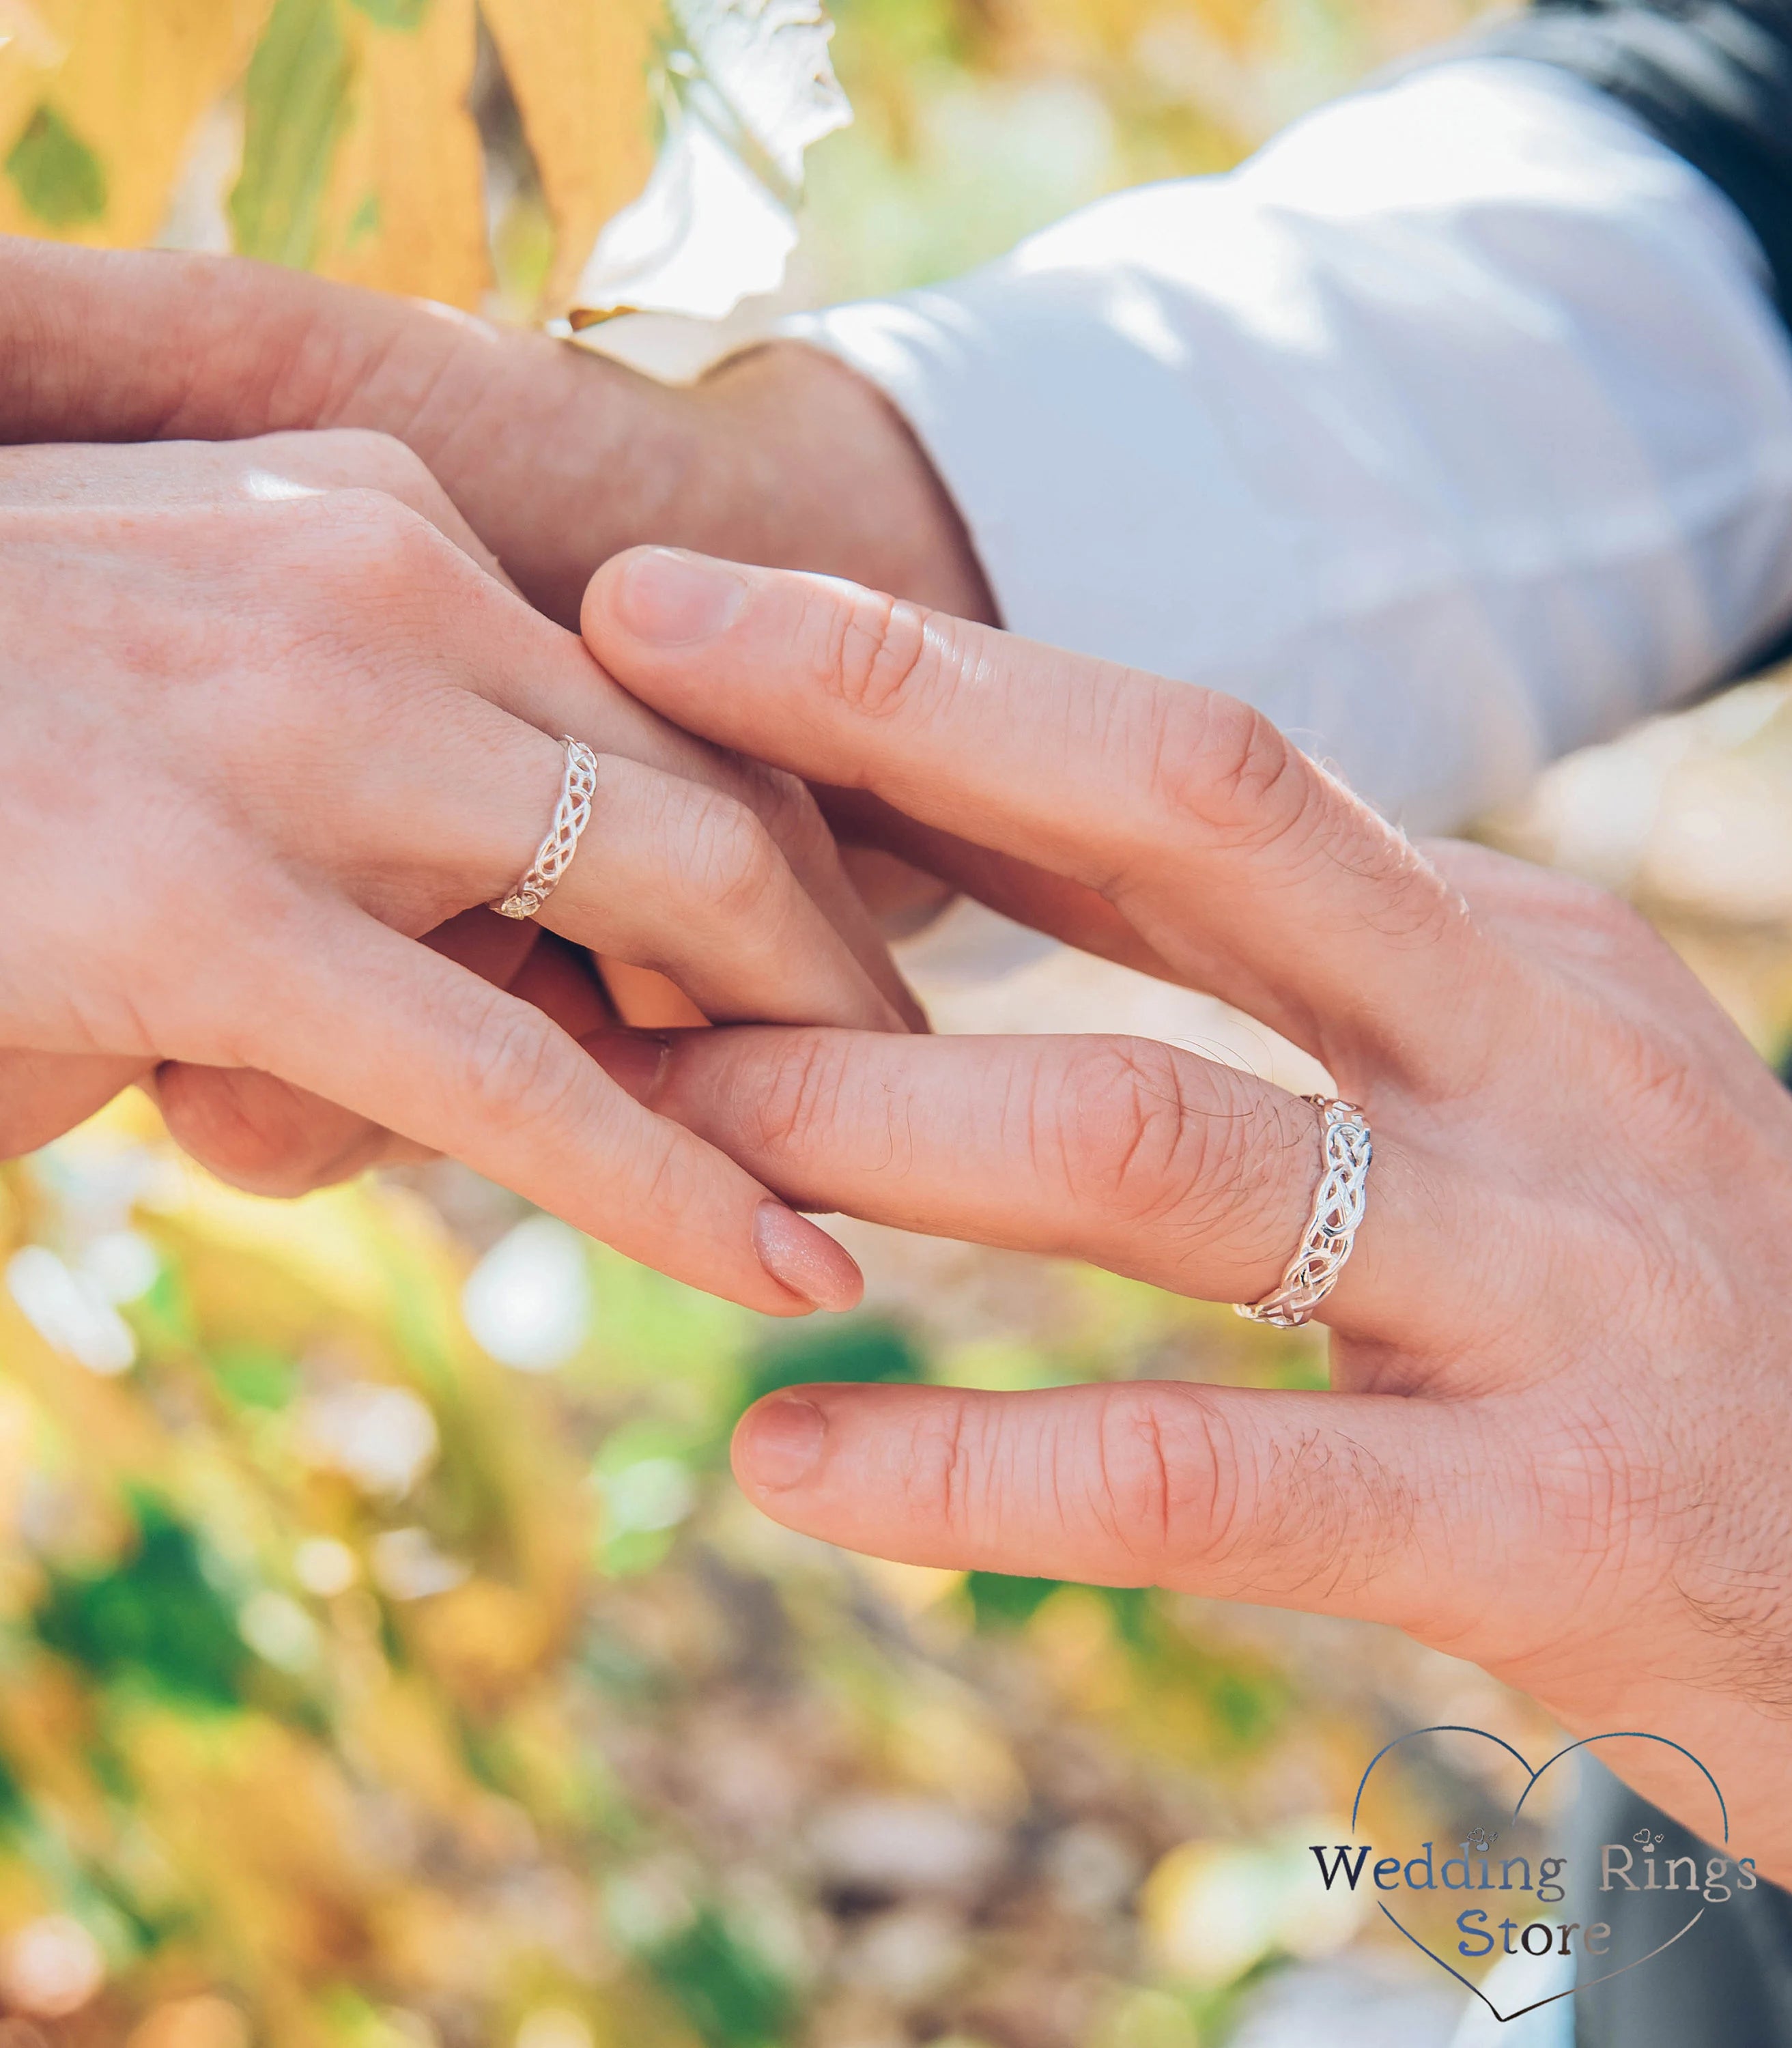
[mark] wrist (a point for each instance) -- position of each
(782, 456)
(799, 462)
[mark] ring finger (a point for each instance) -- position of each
(1137, 1155)
(681, 877)
(452, 808)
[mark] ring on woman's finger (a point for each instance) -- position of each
(1345, 1149)
(554, 855)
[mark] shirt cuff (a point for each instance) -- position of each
(1454, 429)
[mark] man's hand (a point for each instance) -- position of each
(557, 457)
(1559, 1435)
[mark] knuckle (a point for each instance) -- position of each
(1165, 1479)
(1132, 1493)
(387, 549)
(948, 1471)
(515, 1073)
(1138, 1145)
(1222, 763)
(876, 653)
(664, 1177)
(798, 1103)
(731, 865)
(386, 464)
(783, 804)
(1529, 899)
(1219, 766)
(364, 456)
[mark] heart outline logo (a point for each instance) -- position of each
(1531, 1779)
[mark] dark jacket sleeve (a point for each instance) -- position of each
(1712, 78)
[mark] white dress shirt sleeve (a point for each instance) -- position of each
(1453, 429)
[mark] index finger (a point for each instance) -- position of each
(1237, 859)
(407, 1038)
(1335, 1504)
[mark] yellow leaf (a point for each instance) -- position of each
(405, 207)
(579, 70)
(98, 101)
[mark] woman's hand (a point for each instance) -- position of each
(1560, 1433)
(264, 718)
(557, 456)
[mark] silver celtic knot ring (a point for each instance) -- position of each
(1345, 1149)
(571, 814)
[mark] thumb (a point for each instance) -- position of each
(1356, 1505)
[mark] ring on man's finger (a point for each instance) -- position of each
(554, 855)
(1345, 1150)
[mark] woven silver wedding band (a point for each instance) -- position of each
(571, 814)
(1345, 1149)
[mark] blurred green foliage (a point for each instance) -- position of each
(363, 1690)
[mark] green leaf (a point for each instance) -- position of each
(58, 176)
(155, 1617)
(254, 1376)
(864, 1350)
(732, 1997)
(1001, 1600)
(1004, 1600)
(296, 106)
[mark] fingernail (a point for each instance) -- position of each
(779, 1442)
(805, 1260)
(633, 1060)
(672, 599)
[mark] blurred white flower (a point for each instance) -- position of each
(50, 1967)
(884, 1843)
(70, 1310)
(382, 1438)
(123, 1264)
(910, 1955)
(278, 1629)
(652, 1493)
(528, 1300)
(323, 1566)
(1212, 1909)
(31, 42)
(753, 87)
(407, 1565)
(1093, 1869)
(98, 1180)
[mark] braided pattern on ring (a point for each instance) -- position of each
(572, 815)
(1345, 1150)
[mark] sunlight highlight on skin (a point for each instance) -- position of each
(267, 489)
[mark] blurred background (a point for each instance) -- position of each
(386, 1660)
